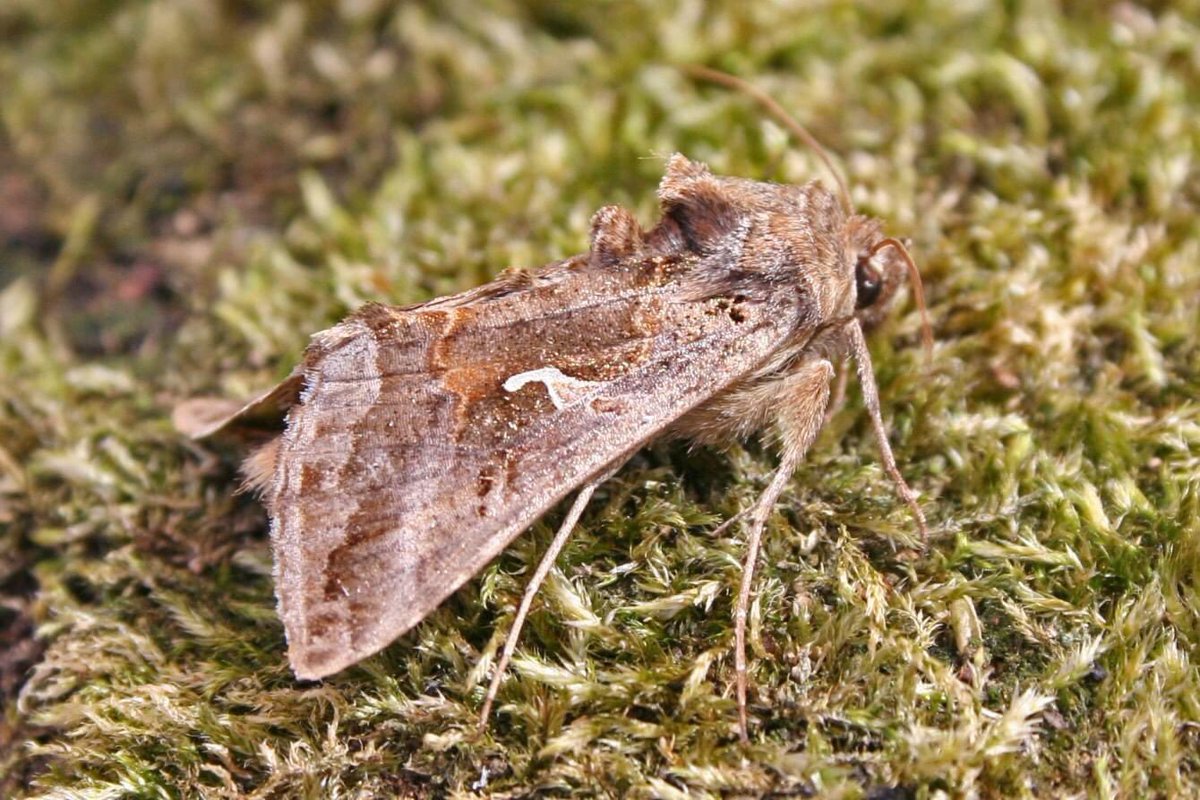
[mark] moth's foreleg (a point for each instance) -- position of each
(799, 422)
(866, 377)
(531, 590)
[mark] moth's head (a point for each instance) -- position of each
(881, 267)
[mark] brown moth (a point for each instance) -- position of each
(416, 442)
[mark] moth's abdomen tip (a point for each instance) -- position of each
(258, 469)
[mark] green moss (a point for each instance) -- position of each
(189, 190)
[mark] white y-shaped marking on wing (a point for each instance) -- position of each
(557, 384)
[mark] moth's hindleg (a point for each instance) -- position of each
(800, 421)
(531, 590)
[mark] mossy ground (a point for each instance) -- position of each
(189, 189)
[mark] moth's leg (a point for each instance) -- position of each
(866, 377)
(837, 398)
(535, 583)
(800, 420)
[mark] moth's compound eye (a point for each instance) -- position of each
(869, 281)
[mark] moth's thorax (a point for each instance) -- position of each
(770, 242)
(784, 246)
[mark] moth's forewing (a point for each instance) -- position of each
(407, 465)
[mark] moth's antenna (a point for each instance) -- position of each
(783, 117)
(918, 290)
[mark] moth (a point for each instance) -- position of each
(414, 443)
